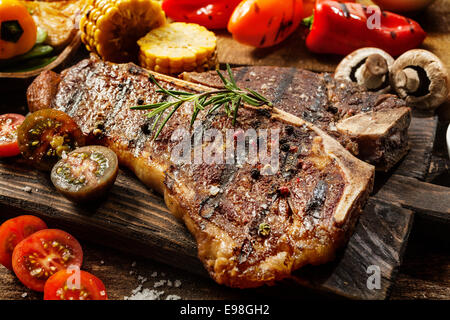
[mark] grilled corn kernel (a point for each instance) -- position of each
(178, 47)
(111, 28)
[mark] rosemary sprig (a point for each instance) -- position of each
(230, 97)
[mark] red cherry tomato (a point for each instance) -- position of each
(208, 13)
(264, 23)
(44, 253)
(13, 231)
(72, 284)
(8, 134)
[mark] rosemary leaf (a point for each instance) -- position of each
(230, 98)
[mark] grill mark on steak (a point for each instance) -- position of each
(240, 74)
(213, 202)
(324, 101)
(119, 101)
(228, 242)
(285, 82)
(317, 200)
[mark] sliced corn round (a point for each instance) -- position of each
(178, 47)
(111, 28)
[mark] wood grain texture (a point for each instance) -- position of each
(135, 220)
(422, 134)
(428, 200)
(424, 274)
(379, 241)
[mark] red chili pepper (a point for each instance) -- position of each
(342, 28)
(308, 6)
(209, 13)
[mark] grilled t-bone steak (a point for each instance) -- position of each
(373, 126)
(250, 228)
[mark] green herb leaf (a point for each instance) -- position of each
(230, 98)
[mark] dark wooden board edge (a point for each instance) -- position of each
(379, 240)
(135, 220)
(422, 134)
(130, 214)
(63, 56)
(428, 200)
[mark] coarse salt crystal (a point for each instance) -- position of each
(146, 294)
(214, 190)
(27, 189)
(160, 283)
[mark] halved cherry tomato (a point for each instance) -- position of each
(86, 173)
(8, 134)
(264, 23)
(44, 253)
(208, 13)
(13, 231)
(64, 285)
(45, 135)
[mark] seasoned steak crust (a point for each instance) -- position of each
(326, 102)
(251, 229)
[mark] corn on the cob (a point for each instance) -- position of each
(111, 28)
(178, 47)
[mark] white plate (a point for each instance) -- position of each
(448, 140)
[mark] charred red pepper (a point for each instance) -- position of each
(342, 28)
(212, 14)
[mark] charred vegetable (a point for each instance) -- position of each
(45, 135)
(17, 29)
(177, 47)
(86, 173)
(111, 28)
(264, 23)
(342, 28)
(212, 14)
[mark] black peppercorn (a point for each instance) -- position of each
(255, 173)
(289, 129)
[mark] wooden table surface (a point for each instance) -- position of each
(424, 274)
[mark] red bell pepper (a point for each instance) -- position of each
(309, 5)
(212, 14)
(342, 28)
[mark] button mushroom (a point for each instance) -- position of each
(420, 78)
(369, 67)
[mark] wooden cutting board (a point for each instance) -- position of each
(136, 220)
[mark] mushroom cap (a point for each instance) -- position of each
(348, 67)
(437, 91)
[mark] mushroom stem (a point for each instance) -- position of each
(369, 67)
(373, 72)
(408, 79)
